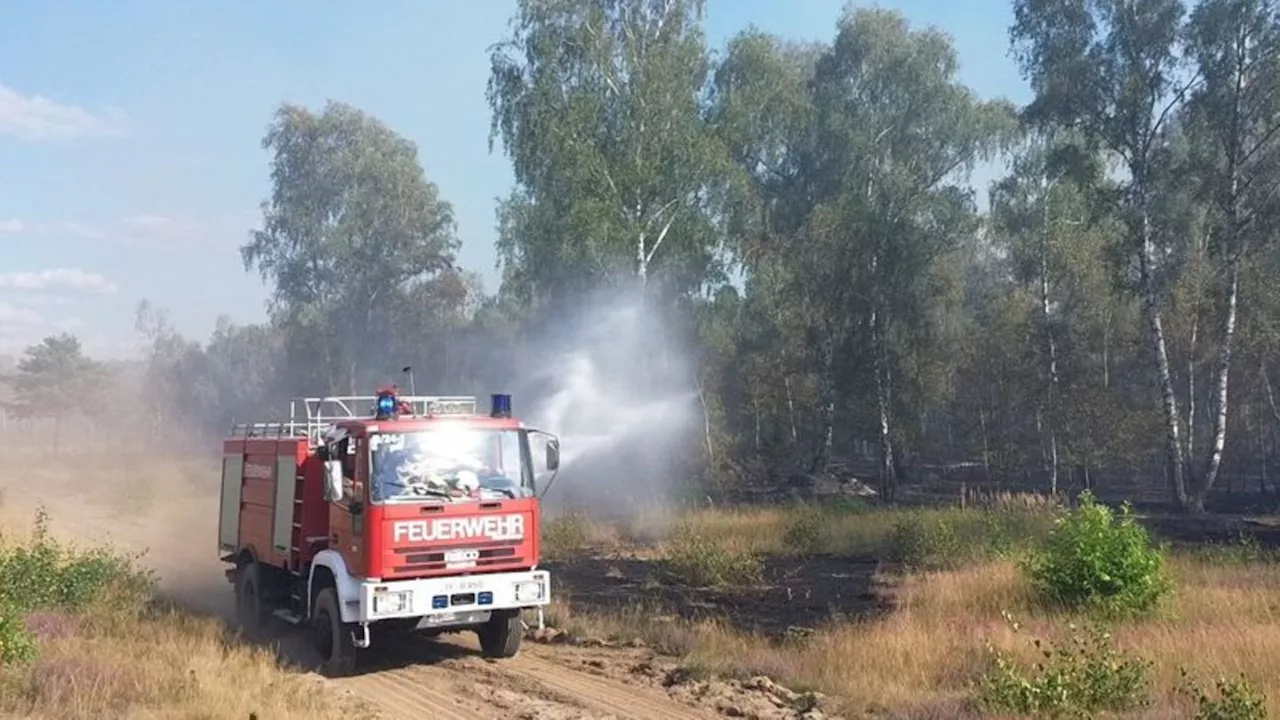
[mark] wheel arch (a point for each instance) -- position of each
(328, 569)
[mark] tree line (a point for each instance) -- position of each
(802, 214)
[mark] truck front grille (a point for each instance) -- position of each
(424, 560)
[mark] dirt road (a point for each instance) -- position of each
(447, 680)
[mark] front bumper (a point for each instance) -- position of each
(452, 595)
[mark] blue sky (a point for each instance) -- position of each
(130, 157)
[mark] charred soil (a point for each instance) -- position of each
(795, 594)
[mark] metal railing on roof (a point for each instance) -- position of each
(309, 417)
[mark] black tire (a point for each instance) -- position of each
(252, 612)
(501, 636)
(332, 637)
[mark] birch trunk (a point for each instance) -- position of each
(1169, 400)
(791, 411)
(1218, 406)
(706, 428)
(888, 476)
(1051, 348)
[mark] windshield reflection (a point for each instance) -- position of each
(455, 464)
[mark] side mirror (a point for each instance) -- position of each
(553, 454)
(333, 481)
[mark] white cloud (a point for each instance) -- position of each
(57, 280)
(12, 226)
(38, 118)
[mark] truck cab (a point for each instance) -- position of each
(416, 515)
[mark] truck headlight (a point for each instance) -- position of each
(392, 603)
(530, 591)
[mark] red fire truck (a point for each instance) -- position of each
(365, 515)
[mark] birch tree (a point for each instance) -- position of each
(1112, 69)
(598, 104)
(1235, 112)
(896, 134)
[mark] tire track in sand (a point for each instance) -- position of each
(526, 686)
(616, 698)
(410, 693)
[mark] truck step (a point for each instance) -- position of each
(288, 616)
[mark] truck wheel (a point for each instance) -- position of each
(252, 613)
(333, 638)
(501, 636)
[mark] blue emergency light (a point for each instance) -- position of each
(386, 404)
(500, 406)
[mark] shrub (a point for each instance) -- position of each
(696, 560)
(17, 644)
(1085, 676)
(807, 532)
(44, 574)
(917, 543)
(1237, 700)
(1094, 559)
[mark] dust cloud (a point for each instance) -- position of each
(152, 498)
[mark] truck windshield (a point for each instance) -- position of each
(454, 463)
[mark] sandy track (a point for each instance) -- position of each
(417, 677)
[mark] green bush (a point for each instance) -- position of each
(17, 644)
(1236, 700)
(1094, 559)
(696, 560)
(43, 574)
(916, 542)
(1085, 676)
(806, 532)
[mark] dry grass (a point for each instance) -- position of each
(139, 659)
(1224, 620)
(857, 531)
(168, 665)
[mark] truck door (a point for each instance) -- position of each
(346, 517)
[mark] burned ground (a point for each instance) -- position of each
(1212, 529)
(797, 594)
